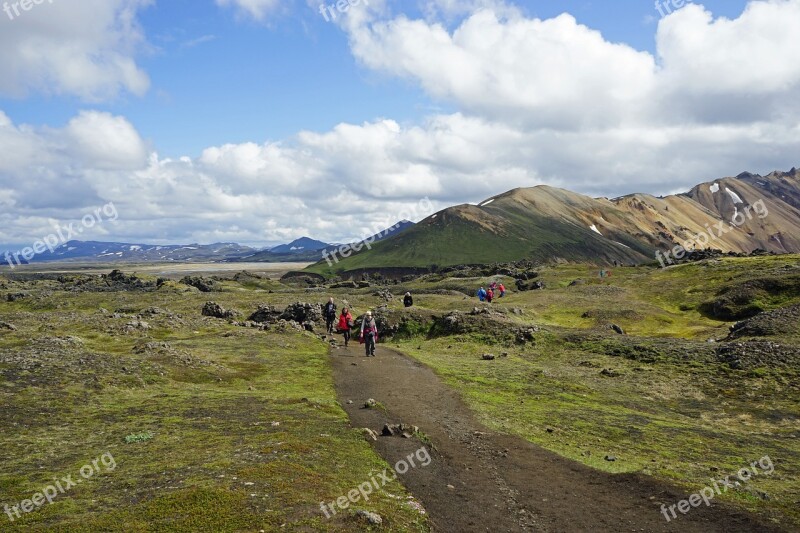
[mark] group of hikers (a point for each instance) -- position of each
(495, 290)
(368, 334)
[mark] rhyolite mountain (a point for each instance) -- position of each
(545, 223)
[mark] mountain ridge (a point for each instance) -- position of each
(546, 223)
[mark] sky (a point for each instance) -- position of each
(261, 121)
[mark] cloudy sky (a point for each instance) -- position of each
(259, 121)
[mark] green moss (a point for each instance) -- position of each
(247, 431)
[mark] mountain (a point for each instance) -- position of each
(737, 214)
(301, 245)
(392, 231)
(126, 252)
(307, 249)
(304, 249)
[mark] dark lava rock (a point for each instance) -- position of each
(265, 314)
(213, 309)
(200, 283)
(758, 353)
(784, 321)
(302, 312)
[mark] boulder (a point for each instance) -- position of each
(303, 312)
(200, 283)
(265, 314)
(214, 310)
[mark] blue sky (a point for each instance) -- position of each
(217, 78)
(291, 125)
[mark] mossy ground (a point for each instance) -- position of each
(672, 412)
(247, 432)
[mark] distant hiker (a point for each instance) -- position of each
(489, 295)
(408, 300)
(502, 290)
(345, 325)
(482, 294)
(369, 333)
(330, 314)
(493, 286)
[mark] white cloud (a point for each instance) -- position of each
(753, 54)
(84, 49)
(107, 142)
(558, 74)
(539, 101)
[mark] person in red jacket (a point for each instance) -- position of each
(489, 295)
(502, 289)
(369, 333)
(345, 325)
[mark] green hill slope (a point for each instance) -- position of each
(504, 230)
(546, 223)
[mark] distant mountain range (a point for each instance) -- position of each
(301, 250)
(306, 249)
(127, 252)
(544, 223)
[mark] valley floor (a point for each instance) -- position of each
(217, 425)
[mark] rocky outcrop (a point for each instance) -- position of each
(201, 283)
(214, 310)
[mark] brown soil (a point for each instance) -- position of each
(502, 483)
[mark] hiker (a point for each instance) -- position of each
(482, 294)
(330, 314)
(489, 295)
(493, 286)
(502, 290)
(369, 333)
(408, 300)
(345, 325)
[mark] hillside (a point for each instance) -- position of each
(544, 223)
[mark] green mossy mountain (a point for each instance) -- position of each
(549, 224)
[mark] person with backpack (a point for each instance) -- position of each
(482, 294)
(345, 325)
(502, 289)
(489, 295)
(408, 300)
(329, 312)
(369, 333)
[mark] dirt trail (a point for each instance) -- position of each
(500, 483)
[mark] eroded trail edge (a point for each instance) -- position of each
(480, 480)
